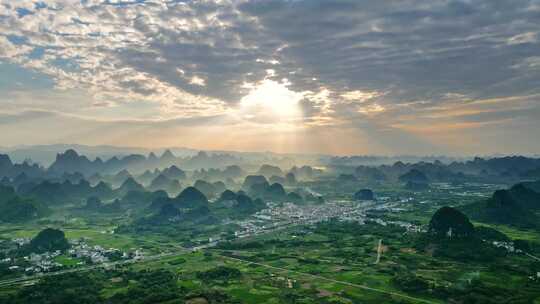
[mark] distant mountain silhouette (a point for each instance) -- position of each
(364, 195)
(147, 176)
(162, 182)
(71, 162)
(10, 170)
(93, 204)
(129, 184)
(233, 171)
(415, 176)
(122, 175)
(238, 205)
(15, 209)
(167, 156)
(370, 174)
(295, 198)
(5, 163)
(188, 207)
(227, 195)
(275, 191)
(66, 192)
(303, 173)
(251, 180)
(277, 179)
(205, 187)
(173, 172)
(219, 186)
(191, 198)
(143, 200)
(246, 205)
(168, 210)
(516, 206)
(290, 179)
(269, 170)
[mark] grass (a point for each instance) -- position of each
(514, 233)
(66, 261)
(94, 236)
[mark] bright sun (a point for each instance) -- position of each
(272, 96)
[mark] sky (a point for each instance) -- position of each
(305, 76)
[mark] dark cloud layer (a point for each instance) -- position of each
(416, 49)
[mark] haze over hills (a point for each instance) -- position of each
(46, 154)
(269, 151)
(213, 201)
(421, 170)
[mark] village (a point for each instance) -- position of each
(279, 215)
(80, 253)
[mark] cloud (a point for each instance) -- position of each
(344, 63)
(529, 37)
(9, 50)
(196, 80)
(359, 96)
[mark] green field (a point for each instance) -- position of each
(329, 262)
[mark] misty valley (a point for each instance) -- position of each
(267, 228)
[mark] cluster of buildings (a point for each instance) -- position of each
(42, 262)
(21, 241)
(536, 277)
(95, 254)
(34, 263)
(278, 215)
(408, 226)
(282, 215)
(509, 246)
(80, 252)
(283, 282)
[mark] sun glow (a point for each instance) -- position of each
(271, 97)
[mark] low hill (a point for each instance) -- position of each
(130, 185)
(517, 206)
(414, 175)
(238, 205)
(15, 209)
(251, 180)
(364, 195)
(48, 240)
(450, 222)
(269, 170)
(451, 235)
(191, 198)
(208, 189)
(162, 182)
